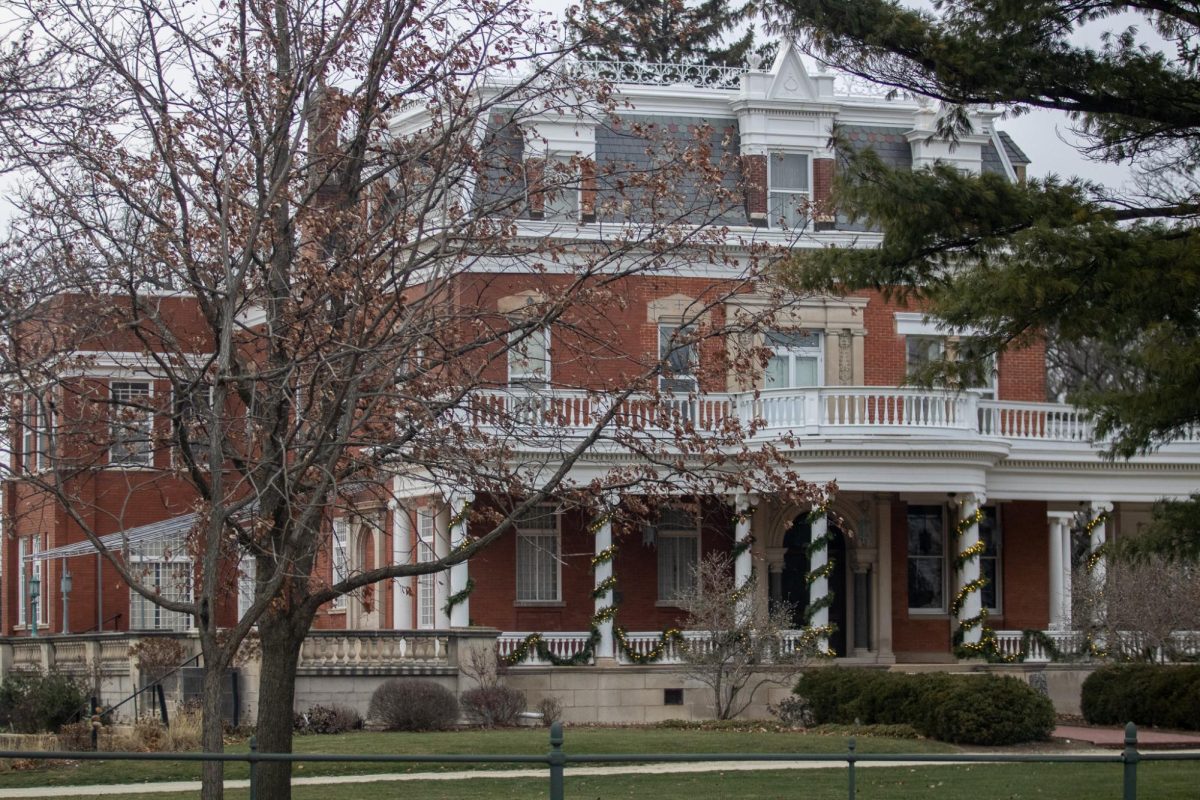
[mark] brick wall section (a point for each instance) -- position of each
(1025, 570)
(754, 176)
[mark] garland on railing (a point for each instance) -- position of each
(535, 642)
(655, 654)
(460, 597)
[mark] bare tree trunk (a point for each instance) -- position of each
(212, 734)
(282, 636)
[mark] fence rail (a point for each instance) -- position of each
(557, 759)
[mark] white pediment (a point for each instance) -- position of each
(790, 79)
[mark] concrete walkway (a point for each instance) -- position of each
(1115, 737)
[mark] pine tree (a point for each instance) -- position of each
(664, 31)
(1121, 274)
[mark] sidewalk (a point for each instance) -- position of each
(1115, 737)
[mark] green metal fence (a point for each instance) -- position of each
(557, 759)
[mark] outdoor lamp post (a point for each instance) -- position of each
(35, 585)
(65, 585)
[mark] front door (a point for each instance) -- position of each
(793, 587)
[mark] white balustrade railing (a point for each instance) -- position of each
(359, 650)
(565, 644)
(821, 411)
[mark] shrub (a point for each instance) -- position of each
(33, 701)
(551, 709)
(966, 709)
(404, 704)
(1147, 694)
(328, 720)
(792, 712)
(493, 706)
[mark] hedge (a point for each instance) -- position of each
(1148, 694)
(963, 709)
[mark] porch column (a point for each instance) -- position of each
(603, 574)
(1060, 565)
(819, 588)
(743, 562)
(441, 548)
(968, 572)
(402, 617)
(460, 522)
(1097, 565)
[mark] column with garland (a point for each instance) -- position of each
(820, 568)
(968, 602)
(459, 604)
(1096, 530)
(605, 580)
(743, 557)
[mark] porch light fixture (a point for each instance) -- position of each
(35, 586)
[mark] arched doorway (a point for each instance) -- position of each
(789, 584)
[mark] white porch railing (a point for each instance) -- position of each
(1073, 645)
(642, 643)
(565, 644)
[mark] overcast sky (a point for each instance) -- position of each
(1045, 136)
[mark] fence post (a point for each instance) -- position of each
(1131, 758)
(94, 719)
(253, 761)
(850, 759)
(556, 759)
(162, 704)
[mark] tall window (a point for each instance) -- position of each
(796, 360)
(788, 203)
(164, 568)
(247, 572)
(678, 354)
(984, 377)
(923, 351)
(677, 537)
(426, 598)
(538, 562)
(130, 424)
(339, 557)
(926, 558)
(989, 559)
(191, 414)
(529, 358)
(36, 440)
(29, 546)
(560, 190)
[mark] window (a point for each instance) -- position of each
(36, 440)
(163, 567)
(788, 200)
(192, 412)
(339, 558)
(797, 360)
(538, 562)
(426, 601)
(130, 424)
(983, 379)
(247, 573)
(923, 351)
(29, 546)
(678, 355)
(529, 358)
(989, 559)
(926, 558)
(677, 537)
(560, 190)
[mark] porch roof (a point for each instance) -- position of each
(175, 527)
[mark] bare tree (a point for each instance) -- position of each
(297, 216)
(737, 647)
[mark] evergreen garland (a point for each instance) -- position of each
(459, 597)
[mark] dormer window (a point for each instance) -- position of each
(560, 189)
(789, 198)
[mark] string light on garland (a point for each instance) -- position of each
(655, 653)
(604, 587)
(604, 556)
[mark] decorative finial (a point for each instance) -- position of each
(754, 60)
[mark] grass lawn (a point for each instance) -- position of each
(1161, 781)
(524, 741)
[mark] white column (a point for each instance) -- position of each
(969, 571)
(402, 598)
(1058, 524)
(460, 521)
(819, 589)
(441, 548)
(1099, 510)
(606, 647)
(743, 564)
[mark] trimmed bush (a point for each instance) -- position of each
(32, 701)
(493, 706)
(1147, 694)
(405, 704)
(328, 720)
(964, 709)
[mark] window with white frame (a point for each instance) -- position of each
(191, 413)
(677, 539)
(339, 557)
(922, 351)
(131, 424)
(560, 190)
(36, 439)
(989, 559)
(927, 558)
(983, 376)
(529, 357)
(538, 562)
(797, 359)
(165, 569)
(30, 546)
(679, 356)
(426, 597)
(790, 190)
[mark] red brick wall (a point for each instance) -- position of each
(912, 634)
(1025, 570)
